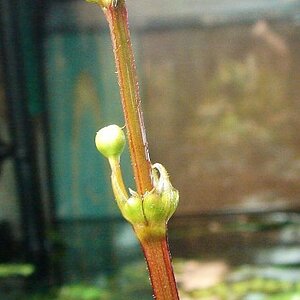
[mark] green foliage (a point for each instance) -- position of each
(133, 282)
(72, 292)
(12, 270)
(82, 292)
(285, 296)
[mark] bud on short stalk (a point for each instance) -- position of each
(110, 141)
(155, 207)
(160, 204)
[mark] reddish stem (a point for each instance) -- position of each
(157, 254)
(131, 102)
(154, 245)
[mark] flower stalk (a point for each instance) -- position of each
(147, 213)
(116, 15)
(150, 207)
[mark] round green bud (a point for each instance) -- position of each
(155, 209)
(110, 141)
(160, 207)
(132, 210)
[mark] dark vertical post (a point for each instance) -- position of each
(23, 139)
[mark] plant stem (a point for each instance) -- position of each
(153, 241)
(157, 254)
(117, 173)
(131, 101)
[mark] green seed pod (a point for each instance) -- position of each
(132, 210)
(110, 141)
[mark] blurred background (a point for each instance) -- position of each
(220, 83)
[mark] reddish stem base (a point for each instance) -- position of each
(160, 268)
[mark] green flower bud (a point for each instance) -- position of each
(160, 204)
(132, 210)
(170, 199)
(151, 210)
(154, 208)
(160, 207)
(110, 141)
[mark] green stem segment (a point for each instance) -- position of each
(118, 177)
(116, 15)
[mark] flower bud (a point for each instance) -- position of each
(110, 141)
(160, 204)
(155, 210)
(132, 210)
(170, 199)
